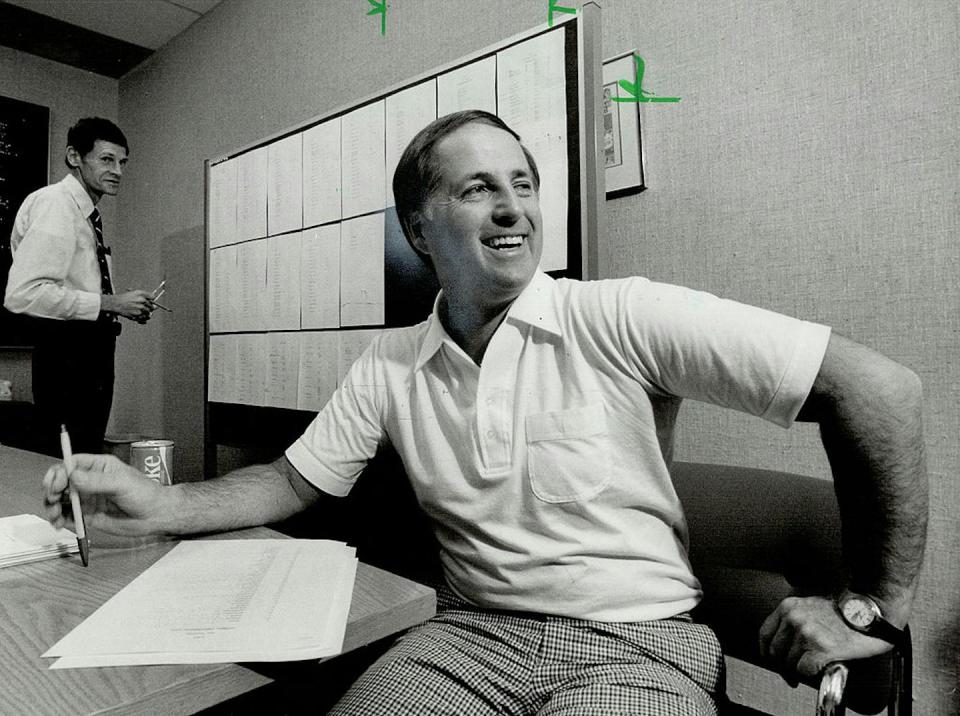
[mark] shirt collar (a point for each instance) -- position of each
(75, 189)
(535, 306)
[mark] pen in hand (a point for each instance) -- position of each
(157, 293)
(82, 541)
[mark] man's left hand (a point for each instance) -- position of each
(804, 634)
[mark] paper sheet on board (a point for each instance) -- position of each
(321, 173)
(363, 162)
(531, 98)
(285, 185)
(320, 277)
(252, 194)
(362, 296)
(473, 86)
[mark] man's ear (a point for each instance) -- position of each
(416, 234)
(73, 158)
(419, 243)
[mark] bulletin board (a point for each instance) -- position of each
(305, 258)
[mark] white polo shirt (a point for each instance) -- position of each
(545, 470)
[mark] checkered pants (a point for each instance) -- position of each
(467, 662)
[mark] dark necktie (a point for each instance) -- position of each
(102, 251)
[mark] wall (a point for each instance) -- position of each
(69, 93)
(810, 168)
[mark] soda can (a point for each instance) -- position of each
(154, 458)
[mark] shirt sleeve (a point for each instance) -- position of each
(42, 261)
(692, 344)
(346, 433)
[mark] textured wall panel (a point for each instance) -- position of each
(812, 167)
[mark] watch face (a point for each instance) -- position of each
(859, 612)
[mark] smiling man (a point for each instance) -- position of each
(61, 276)
(479, 227)
(535, 421)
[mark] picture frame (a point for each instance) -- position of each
(623, 146)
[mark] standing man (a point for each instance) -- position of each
(535, 420)
(61, 275)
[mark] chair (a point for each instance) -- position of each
(756, 536)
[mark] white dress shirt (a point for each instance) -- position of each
(55, 272)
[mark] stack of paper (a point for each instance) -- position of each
(222, 601)
(28, 538)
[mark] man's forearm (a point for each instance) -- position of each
(247, 497)
(870, 420)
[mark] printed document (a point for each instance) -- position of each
(213, 601)
(531, 98)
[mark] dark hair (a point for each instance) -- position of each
(417, 175)
(85, 133)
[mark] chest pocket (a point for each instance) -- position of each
(568, 453)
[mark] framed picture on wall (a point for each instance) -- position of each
(24, 162)
(622, 146)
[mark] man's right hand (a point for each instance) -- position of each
(116, 498)
(137, 305)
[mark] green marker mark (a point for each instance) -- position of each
(637, 93)
(552, 6)
(380, 8)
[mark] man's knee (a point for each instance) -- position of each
(434, 669)
(608, 699)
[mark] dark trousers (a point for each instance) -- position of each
(72, 383)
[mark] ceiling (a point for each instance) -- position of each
(109, 37)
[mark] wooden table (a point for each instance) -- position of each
(43, 601)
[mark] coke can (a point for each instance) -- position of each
(154, 458)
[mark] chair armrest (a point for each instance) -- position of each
(756, 537)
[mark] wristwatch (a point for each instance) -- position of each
(862, 614)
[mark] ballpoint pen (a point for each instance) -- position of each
(157, 293)
(82, 541)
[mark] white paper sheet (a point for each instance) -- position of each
(283, 370)
(473, 86)
(320, 277)
(352, 344)
(363, 164)
(361, 271)
(321, 173)
(531, 99)
(285, 185)
(222, 289)
(283, 283)
(407, 113)
(319, 361)
(222, 217)
(28, 538)
(251, 368)
(252, 194)
(218, 601)
(251, 295)
(222, 373)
